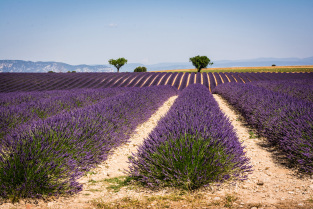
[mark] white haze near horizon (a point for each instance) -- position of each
(149, 32)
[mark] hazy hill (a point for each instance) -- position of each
(41, 67)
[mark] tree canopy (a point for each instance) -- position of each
(140, 69)
(200, 62)
(118, 63)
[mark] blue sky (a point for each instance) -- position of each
(148, 32)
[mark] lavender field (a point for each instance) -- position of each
(17, 82)
(56, 127)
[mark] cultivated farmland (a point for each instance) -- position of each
(16, 82)
(58, 132)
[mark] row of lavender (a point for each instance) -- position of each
(47, 156)
(12, 82)
(20, 108)
(284, 117)
(194, 145)
(301, 88)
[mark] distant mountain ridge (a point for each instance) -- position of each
(40, 67)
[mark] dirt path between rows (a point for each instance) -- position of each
(270, 182)
(270, 185)
(114, 166)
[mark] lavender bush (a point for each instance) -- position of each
(286, 121)
(300, 88)
(171, 80)
(184, 81)
(212, 81)
(192, 146)
(178, 79)
(165, 78)
(52, 103)
(16, 98)
(47, 156)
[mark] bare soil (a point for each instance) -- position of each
(271, 182)
(270, 185)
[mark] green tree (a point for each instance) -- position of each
(140, 69)
(200, 62)
(118, 63)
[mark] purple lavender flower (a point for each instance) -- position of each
(47, 156)
(284, 120)
(192, 146)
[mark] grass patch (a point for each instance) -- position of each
(177, 199)
(229, 200)
(126, 202)
(252, 135)
(173, 200)
(90, 173)
(172, 197)
(94, 190)
(117, 183)
(92, 181)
